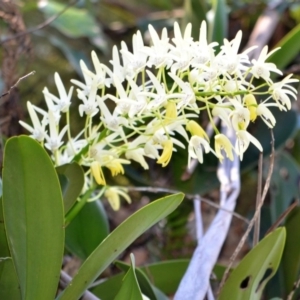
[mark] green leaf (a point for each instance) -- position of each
(194, 13)
(143, 281)
(117, 241)
(130, 288)
(4, 250)
(290, 48)
(283, 189)
(87, 230)
(74, 22)
(291, 254)
(219, 26)
(9, 285)
(165, 276)
(34, 218)
(249, 278)
(71, 179)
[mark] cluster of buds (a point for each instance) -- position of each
(159, 92)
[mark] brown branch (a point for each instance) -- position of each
(15, 85)
(42, 25)
(258, 200)
(256, 214)
(188, 196)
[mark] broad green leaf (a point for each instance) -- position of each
(74, 22)
(130, 288)
(290, 48)
(143, 281)
(291, 254)
(87, 230)
(117, 241)
(33, 216)
(249, 278)
(9, 285)
(71, 179)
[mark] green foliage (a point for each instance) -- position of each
(9, 284)
(291, 254)
(117, 241)
(33, 217)
(290, 48)
(87, 230)
(130, 288)
(71, 178)
(249, 278)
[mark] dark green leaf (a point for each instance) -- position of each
(71, 179)
(87, 230)
(9, 285)
(291, 254)
(165, 276)
(143, 281)
(4, 250)
(34, 218)
(219, 26)
(194, 13)
(130, 288)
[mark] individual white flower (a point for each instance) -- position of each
(188, 98)
(281, 90)
(197, 146)
(159, 98)
(262, 69)
(181, 52)
(266, 115)
(54, 139)
(85, 87)
(158, 51)
(240, 118)
(89, 106)
(64, 101)
(201, 49)
(112, 121)
(134, 62)
(223, 113)
(118, 70)
(37, 131)
(243, 140)
(138, 156)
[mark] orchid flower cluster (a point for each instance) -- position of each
(158, 93)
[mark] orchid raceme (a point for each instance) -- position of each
(157, 93)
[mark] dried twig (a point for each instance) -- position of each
(258, 200)
(40, 26)
(245, 236)
(15, 85)
(282, 217)
(296, 286)
(188, 196)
